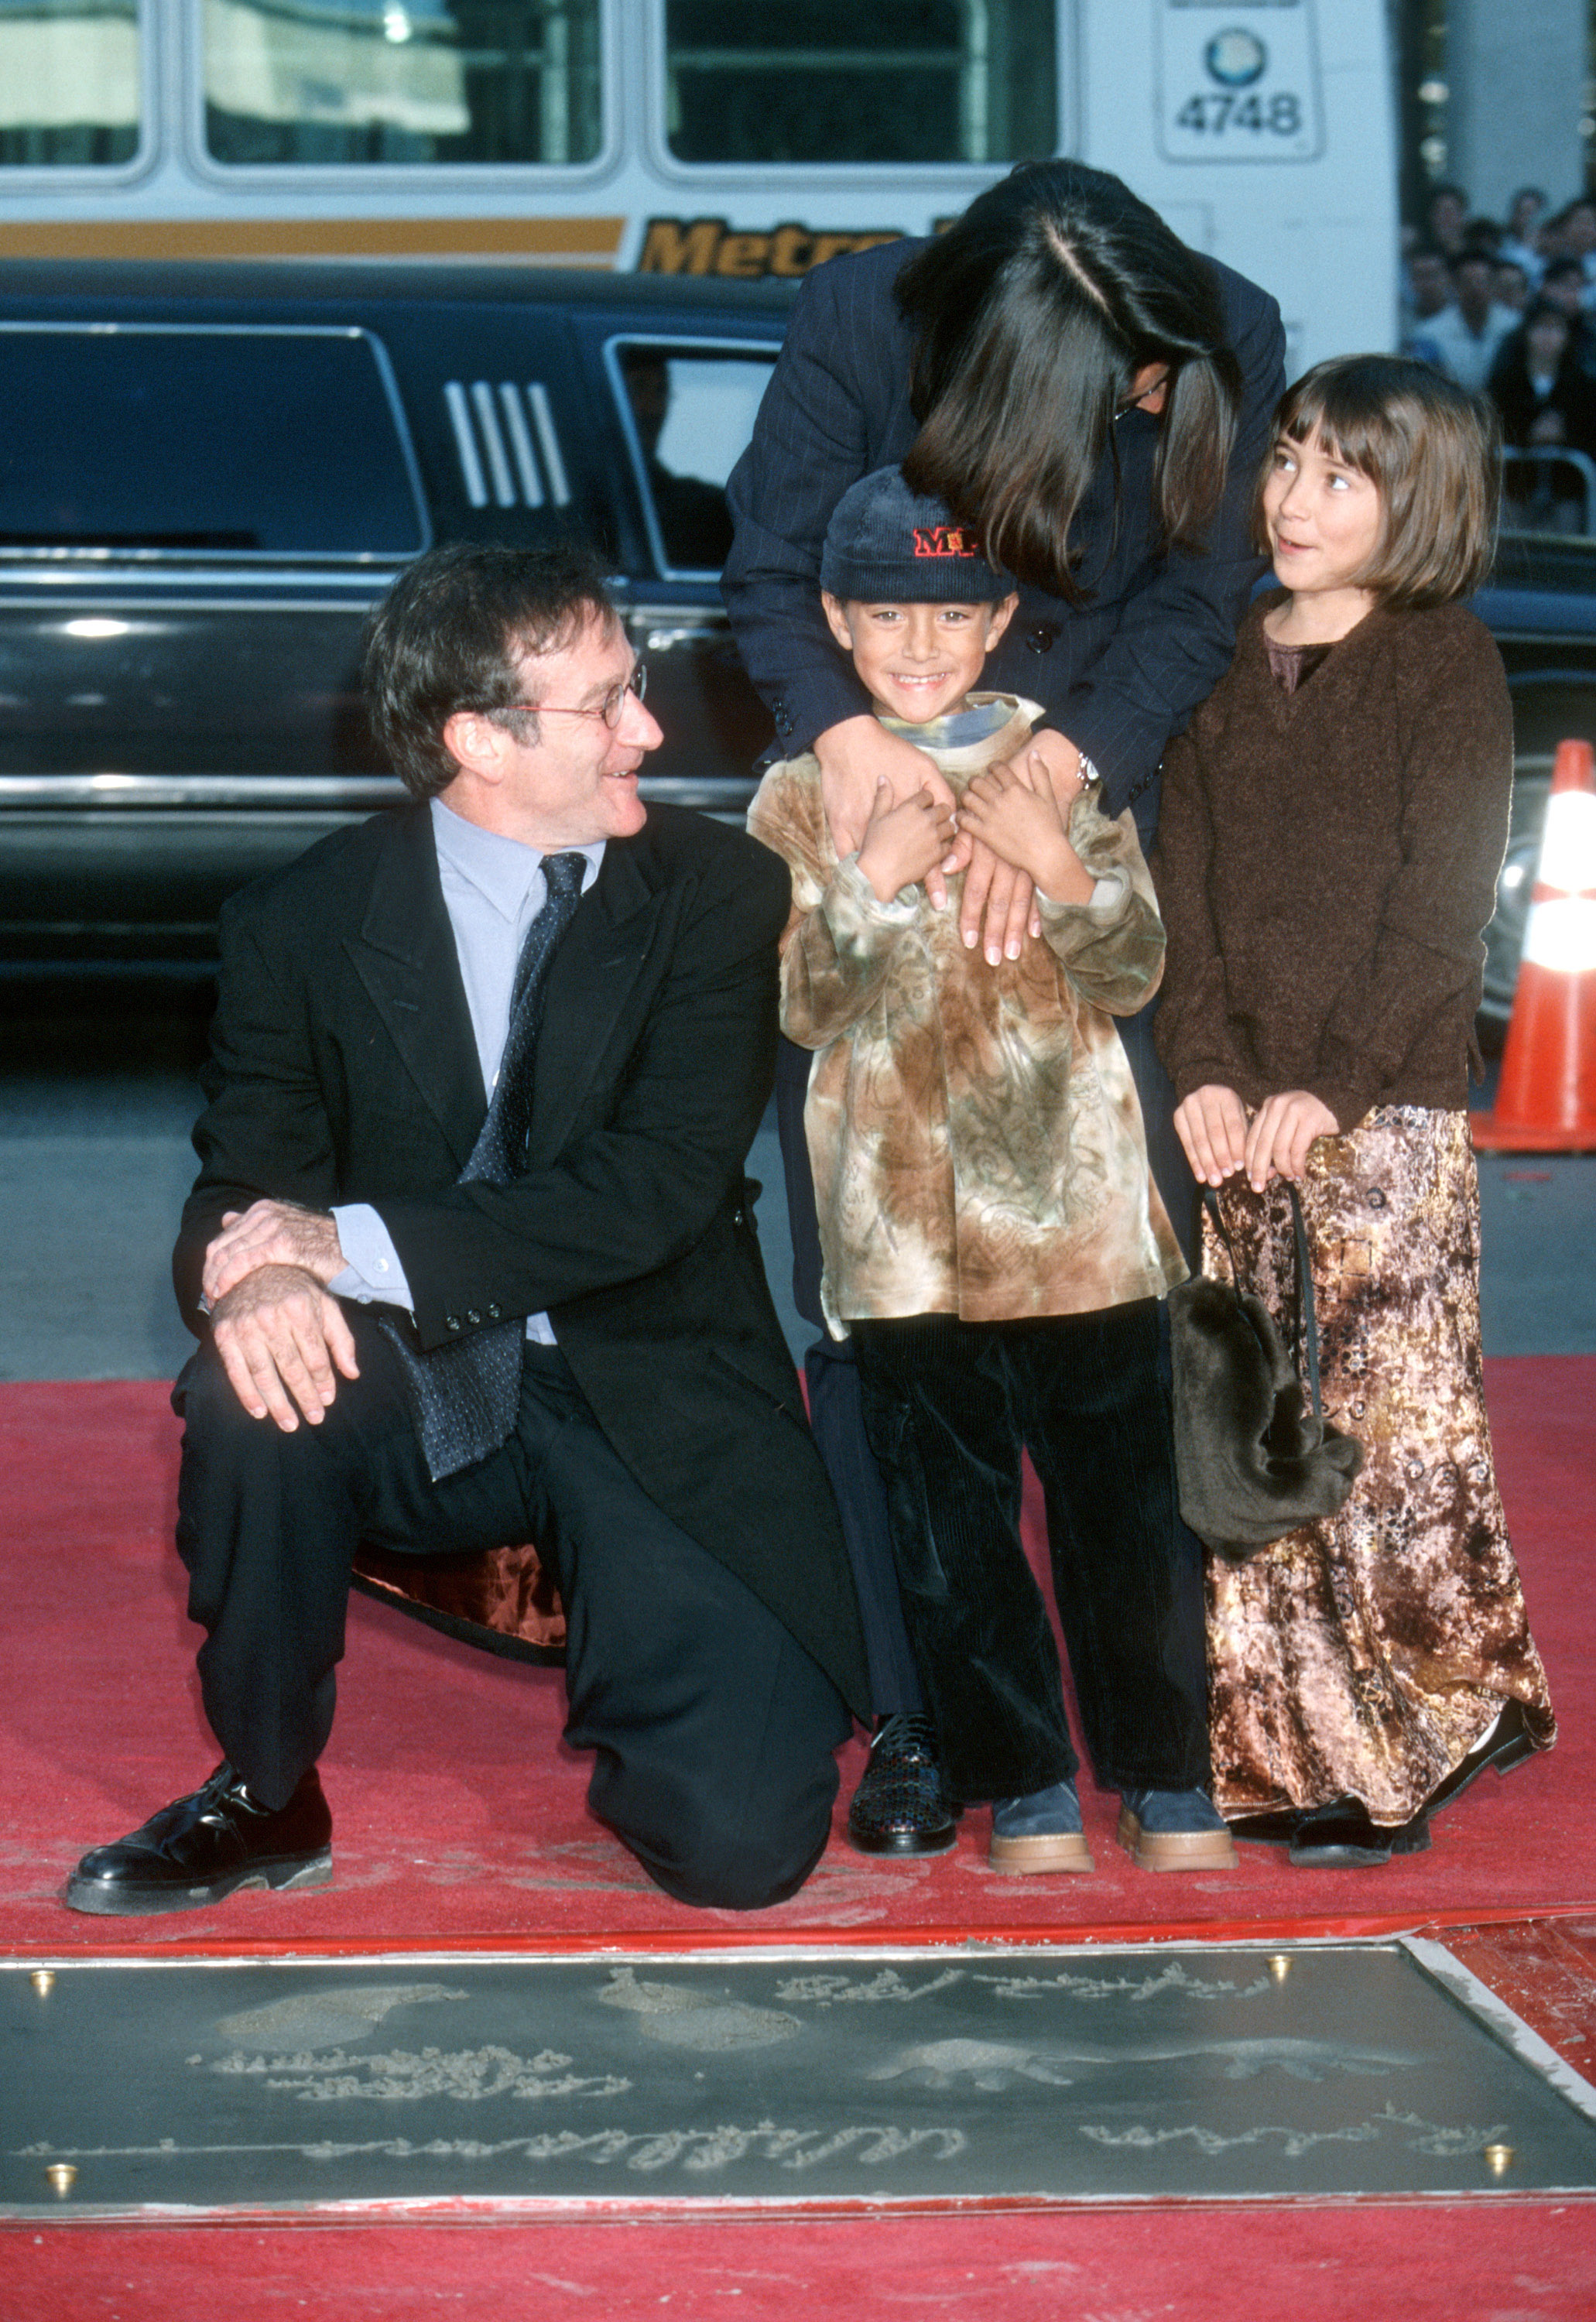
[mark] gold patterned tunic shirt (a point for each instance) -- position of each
(974, 1134)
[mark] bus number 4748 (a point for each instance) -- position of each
(1280, 115)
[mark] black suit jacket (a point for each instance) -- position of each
(1119, 674)
(343, 1069)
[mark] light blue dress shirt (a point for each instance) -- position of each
(493, 889)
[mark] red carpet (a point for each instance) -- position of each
(461, 1817)
(1491, 2263)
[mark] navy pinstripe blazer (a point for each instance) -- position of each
(1118, 676)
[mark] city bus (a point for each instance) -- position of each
(697, 137)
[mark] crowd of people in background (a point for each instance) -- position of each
(1508, 309)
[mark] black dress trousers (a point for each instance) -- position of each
(713, 1729)
(836, 1419)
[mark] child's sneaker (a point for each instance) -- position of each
(1039, 1833)
(1174, 1829)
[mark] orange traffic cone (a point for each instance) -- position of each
(1546, 1098)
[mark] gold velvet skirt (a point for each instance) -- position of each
(1364, 1656)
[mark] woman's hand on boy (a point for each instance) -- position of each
(855, 758)
(1014, 809)
(994, 890)
(1212, 1123)
(1282, 1129)
(905, 839)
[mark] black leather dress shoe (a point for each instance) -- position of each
(1341, 1837)
(202, 1848)
(1508, 1744)
(899, 1808)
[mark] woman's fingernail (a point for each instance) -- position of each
(970, 942)
(993, 956)
(1013, 949)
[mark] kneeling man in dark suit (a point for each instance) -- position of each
(474, 1242)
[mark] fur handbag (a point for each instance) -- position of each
(1252, 1460)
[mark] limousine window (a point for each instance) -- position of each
(70, 84)
(690, 411)
(334, 82)
(827, 80)
(210, 442)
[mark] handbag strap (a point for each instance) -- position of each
(1311, 1329)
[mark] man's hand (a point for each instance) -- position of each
(281, 1337)
(1282, 1129)
(995, 892)
(855, 759)
(270, 1233)
(1212, 1123)
(903, 843)
(1012, 810)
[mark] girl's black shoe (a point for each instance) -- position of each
(1341, 1837)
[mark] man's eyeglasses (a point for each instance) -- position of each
(610, 709)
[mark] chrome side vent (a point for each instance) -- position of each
(502, 458)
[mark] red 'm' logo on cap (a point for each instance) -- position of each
(945, 540)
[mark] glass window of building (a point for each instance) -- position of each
(828, 80)
(328, 83)
(70, 84)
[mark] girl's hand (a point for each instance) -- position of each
(1014, 811)
(1282, 1129)
(903, 844)
(1212, 1123)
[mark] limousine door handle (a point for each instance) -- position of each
(664, 641)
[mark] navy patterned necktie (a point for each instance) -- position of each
(465, 1396)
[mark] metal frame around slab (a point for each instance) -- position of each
(1432, 1960)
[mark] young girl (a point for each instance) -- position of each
(1329, 837)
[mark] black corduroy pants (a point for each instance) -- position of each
(950, 1407)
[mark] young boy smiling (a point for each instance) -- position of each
(991, 1236)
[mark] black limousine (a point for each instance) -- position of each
(209, 473)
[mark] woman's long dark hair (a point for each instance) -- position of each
(1031, 315)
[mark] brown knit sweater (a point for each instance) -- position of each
(1326, 861)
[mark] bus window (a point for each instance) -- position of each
(828, 80)
(328, 82)
(692, 411)
(68, 83)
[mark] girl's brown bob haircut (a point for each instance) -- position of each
(1433, 453)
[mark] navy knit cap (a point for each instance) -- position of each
(887, 545)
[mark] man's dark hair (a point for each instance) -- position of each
(1446, 189)
(1031, 315)
(450, 634)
